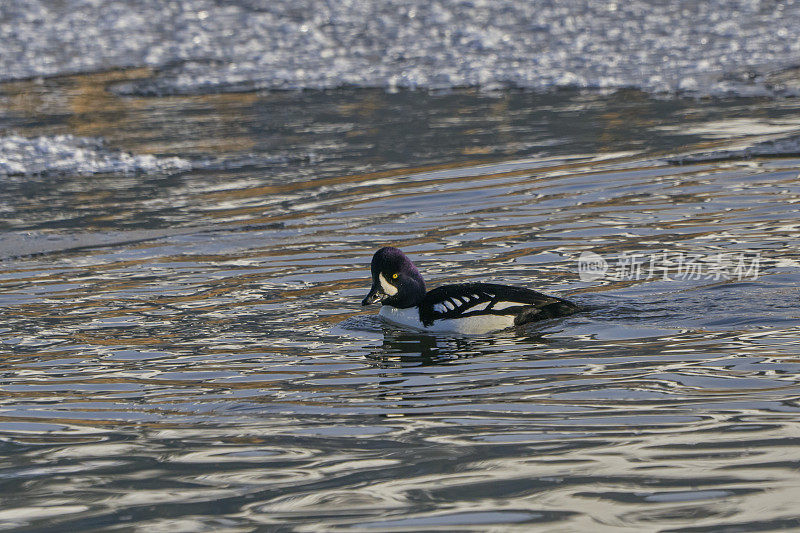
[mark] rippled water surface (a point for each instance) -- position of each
(186, 351)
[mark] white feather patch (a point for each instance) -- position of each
(474, 325)
(499, 306)
(387, 287)
(479, 307)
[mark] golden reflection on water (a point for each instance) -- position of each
(94, 111)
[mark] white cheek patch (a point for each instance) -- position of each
(387, 287)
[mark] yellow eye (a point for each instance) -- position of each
(394, 276)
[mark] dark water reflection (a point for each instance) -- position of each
(187, 352)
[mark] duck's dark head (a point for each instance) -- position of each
(395, 280)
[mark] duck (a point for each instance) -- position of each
(465, 308)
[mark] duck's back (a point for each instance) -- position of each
(489, 302)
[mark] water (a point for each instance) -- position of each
(183, 348)
(715, 47)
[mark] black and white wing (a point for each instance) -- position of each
(473, 299)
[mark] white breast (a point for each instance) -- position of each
(471, 325)
(402, 317)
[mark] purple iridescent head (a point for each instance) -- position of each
(395, 280)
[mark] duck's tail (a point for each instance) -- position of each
(555, 309)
